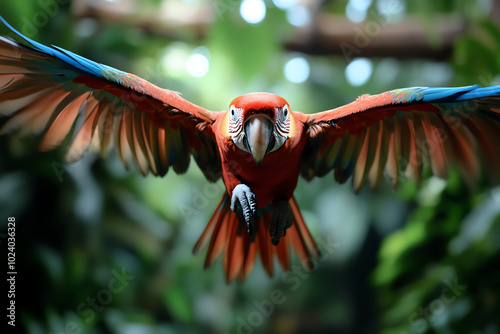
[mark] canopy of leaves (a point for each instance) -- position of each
(103, 250)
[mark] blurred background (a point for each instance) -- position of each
(103, 250)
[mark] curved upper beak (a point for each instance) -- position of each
(259, 136)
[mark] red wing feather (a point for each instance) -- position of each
(401, 132)
(50, 89)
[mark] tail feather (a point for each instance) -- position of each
(298, 245)
(203, 240)
(234, 253)
(250, 254)
(218, 243)
(303, 232)
(227, 233)
(264, 242)
(283, 253)
(213, 229)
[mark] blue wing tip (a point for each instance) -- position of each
(27, 39)
(71, 58)
(444, 94)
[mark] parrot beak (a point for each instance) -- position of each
(259, 136)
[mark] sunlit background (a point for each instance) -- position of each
(415, 260)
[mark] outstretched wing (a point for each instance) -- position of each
(398, 133)
(53, 91)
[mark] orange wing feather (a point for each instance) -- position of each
(401, 132)
(48, 89)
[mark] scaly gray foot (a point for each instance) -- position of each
(244, 198)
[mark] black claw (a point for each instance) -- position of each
(272, 229)
(250, 228)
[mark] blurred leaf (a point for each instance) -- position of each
(178, 303)
(245, 48)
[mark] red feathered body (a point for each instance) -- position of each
(275, 179)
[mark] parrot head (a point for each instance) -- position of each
(259, 123)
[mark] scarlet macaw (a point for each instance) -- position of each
(259, 145)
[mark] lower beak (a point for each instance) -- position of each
(259, 132)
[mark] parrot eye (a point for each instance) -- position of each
(235, 121)
(285, 110)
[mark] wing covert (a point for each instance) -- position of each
(56, 92)
(399, 133)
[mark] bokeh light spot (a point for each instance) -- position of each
(297, 70)
(356, 10)
(197, 65)
(359, 71)
(253, 11)
(392, 10)
(174, 58)
(298, 16)
(285, 4)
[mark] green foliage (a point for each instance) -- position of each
(104, 250)
(480, 47)
(436, 251)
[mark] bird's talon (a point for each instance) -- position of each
(281, 220)
(271, 230)
(250, 228)
(244, 199)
